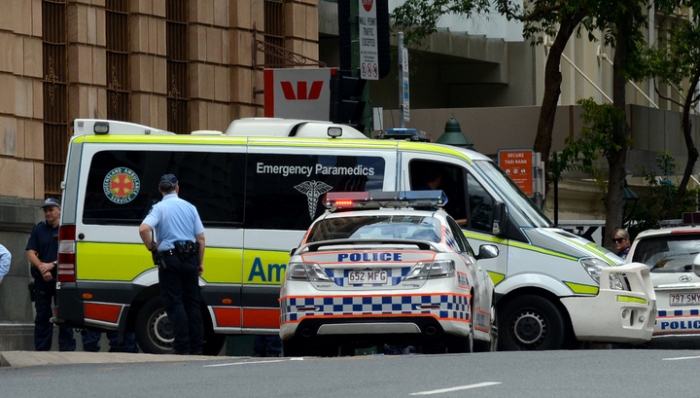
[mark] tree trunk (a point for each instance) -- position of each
(552, 86)
(689, 144)
(617, 159)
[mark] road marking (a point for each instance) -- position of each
(444, 390)
(679, 358)
(243, 363)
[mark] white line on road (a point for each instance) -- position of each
(679, 358)
(242, 363)
(444, 390)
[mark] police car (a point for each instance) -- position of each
(671, 254)
(386, 268)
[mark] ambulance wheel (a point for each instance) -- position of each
(492, 345)
(531, 323)
(293, 348)
(153, 329)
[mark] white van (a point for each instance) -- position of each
(257, 191)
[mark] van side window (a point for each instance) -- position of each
(123, 185)
(430, 175)
(480, 206)
(285, 191)
(462, 243)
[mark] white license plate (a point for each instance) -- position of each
(374, 277)
(684, 298)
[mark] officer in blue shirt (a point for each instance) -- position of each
(42, 252)
(5, 260)
(179, 254)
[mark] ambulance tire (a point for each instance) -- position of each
(153, 330)
(531, 323)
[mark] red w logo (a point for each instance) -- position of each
(301, 93)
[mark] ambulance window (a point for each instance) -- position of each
(123, 185)
(285, 191)
(480, 206)
(462, 243)
(428, 175)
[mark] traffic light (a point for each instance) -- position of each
(347, 104)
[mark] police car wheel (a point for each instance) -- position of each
(531, 323)
(153, 330)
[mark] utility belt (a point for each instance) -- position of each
(183, 249)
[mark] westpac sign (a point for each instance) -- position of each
(298, 93)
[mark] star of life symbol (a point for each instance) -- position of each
(313, 190)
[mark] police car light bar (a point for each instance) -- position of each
(379, 199)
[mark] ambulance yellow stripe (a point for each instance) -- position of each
(630, 299)
(496, 277)
(325, 143)
(579, 288)
(418, 146)
(520, 245)
(592, 247)
(125, 262)
(167, 139)
(264, 267)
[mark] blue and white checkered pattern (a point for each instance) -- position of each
(450, 239)
(679, 312)
(449, 306)
(394, 276)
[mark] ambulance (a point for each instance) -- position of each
(258, 186)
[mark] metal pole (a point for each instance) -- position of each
(402, 123)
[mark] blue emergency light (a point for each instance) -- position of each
(335, 201)
(405, 133)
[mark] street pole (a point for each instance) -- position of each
(402, 123)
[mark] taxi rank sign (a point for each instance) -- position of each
(369, 55)
(517, 164)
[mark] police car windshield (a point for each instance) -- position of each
(668, 253)
(412, 227)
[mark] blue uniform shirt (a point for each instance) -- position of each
(44, 240)
(5, 260)
(174, 220)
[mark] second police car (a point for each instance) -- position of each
(375, 270)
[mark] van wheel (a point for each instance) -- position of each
(531, 323)
(492, 345)
(153, 329)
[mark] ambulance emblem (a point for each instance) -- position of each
(121, 185)
(313, 191)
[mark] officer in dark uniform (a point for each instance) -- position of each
(42, 252)
(179, 253)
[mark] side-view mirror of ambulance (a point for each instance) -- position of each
(487, 251)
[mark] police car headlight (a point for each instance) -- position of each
(431, 270)
(306, 272)
(593, 266)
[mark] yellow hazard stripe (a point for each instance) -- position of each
(580, 288)
(631, 299)
(422, 147)
(496, 277)
(519, 245)
(166, 139)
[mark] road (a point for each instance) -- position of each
(572, 374)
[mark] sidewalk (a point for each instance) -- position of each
(34, 358)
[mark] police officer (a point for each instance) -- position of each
(42, 252)
(179, 252)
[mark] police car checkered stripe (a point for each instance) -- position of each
(450, 239)
(681, 312)
(394, 276)
(448, 306)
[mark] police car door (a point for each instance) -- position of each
(286, 180)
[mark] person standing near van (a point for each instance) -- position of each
(5, 260)
(42, 252)
(621, 239)
(179, 254)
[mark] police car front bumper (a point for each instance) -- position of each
(616, 316)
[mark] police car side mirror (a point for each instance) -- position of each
(500, 219)
(487, 251)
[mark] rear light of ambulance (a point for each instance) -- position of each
(66, 253)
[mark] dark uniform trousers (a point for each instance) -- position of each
(43, 328)
(179, 290)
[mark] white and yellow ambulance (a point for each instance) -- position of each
(258, 186)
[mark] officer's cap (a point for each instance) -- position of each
(50, 202)
(167, 181)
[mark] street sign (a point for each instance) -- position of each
(517, 164)
(298, 93)
(369, 55)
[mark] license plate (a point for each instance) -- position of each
(684, 298)
(374, 277)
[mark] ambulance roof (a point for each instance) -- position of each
(276, 127)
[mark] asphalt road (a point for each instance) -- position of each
(578, 373)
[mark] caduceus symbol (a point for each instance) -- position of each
(313, 190)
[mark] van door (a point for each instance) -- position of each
(285, 186)
(470, 203)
